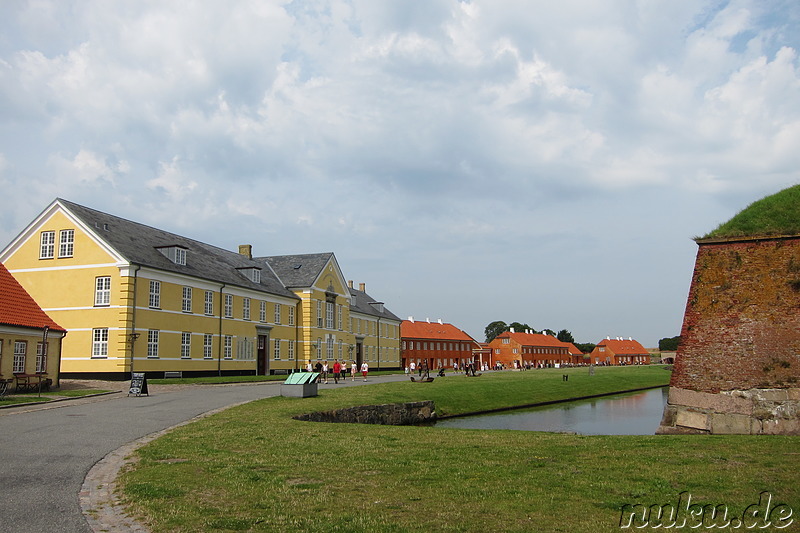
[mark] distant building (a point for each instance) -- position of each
(440, 344)
(30, 341)
(619, 351)
(530, 349)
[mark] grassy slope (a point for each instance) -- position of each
(253, 468)
(778, 214)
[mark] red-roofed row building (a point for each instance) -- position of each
(514, 348)
(30, 341)
(619, 351)
(438, 343)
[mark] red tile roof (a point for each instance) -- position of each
(17, 308)
(623, 347)
(432, 330)
(533, 339)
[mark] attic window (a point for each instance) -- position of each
(176, 254)
(378, 306)
(251, 273)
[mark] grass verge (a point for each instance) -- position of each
(253, 468)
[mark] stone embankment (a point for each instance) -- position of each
(393, 414)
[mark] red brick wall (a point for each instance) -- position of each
(741, 329)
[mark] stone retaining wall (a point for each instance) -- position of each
(393, 414)
(752, 411)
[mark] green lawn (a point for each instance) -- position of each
(253, 468)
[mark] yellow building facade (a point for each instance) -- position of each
(136, 298)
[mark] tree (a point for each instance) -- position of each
(669, 344)
(585, 347)
(519, 328)
(565, 336)
(548, 331)
(494, 329)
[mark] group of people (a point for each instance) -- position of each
(339, 370)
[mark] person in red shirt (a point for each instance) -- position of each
(337, 370)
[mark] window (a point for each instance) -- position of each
(277, 350)
(102, 291)
(186, 345)
(209, 303)
(186, 305)
(319, 348)
(180, 256)
(66, 242)
(20, 349)
(155, 294)
(228, 306)
(256, 275)
(100, 342)
(208, 340)
(291, 315)
(47, 245)
(329, 347)
(291, 350)
(152, 343)
(329, 315)
(319, 314)
(262, 311)
(506, 340)
(246, 308)
(228, 347)
(340, 317)
(41, 357)
(277, 313)
(340, 348)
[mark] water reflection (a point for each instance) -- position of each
(624, 414)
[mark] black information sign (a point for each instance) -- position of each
(138, 384)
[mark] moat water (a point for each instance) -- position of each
(636, 413)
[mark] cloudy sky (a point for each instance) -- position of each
(533, 161)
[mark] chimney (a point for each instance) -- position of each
(362, 287)
(411, 319)
(428, 320)
(440, 321)
(350, 283)
(511, 330)
(246, 250)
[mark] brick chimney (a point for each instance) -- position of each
(362, 287)
(246, 250)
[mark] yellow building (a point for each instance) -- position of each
(337, 320)
(136, 298)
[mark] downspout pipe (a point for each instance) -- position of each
(133, 335)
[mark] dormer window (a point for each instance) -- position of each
(378, 306)
(251, 273)
(176, 254)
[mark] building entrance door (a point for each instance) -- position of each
(263, 355)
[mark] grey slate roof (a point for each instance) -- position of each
(298, 270)
(363, 305)
(138, 244)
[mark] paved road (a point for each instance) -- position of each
(45, 453)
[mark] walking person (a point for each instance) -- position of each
(364, 370)
(337, 370)
(412, 367)
(353, 370)
(325, 371)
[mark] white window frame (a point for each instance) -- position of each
(208, 307)
(319, 313)
(291, 350)
(47, 245)
(329, 347)
(246, 308)
(339, 312)
(20, 353)
(291, 315)
(186, 345)
(180, 256)
(66, 243)
(99, 343)
(329, 315)
(186, 300)
(229, 306)
(276, 350)
(228, 347)
(278, 313)
(102, 291)
(208, 346)
(41, 358)
(262, 311)
(155, 295)
(152, 343)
